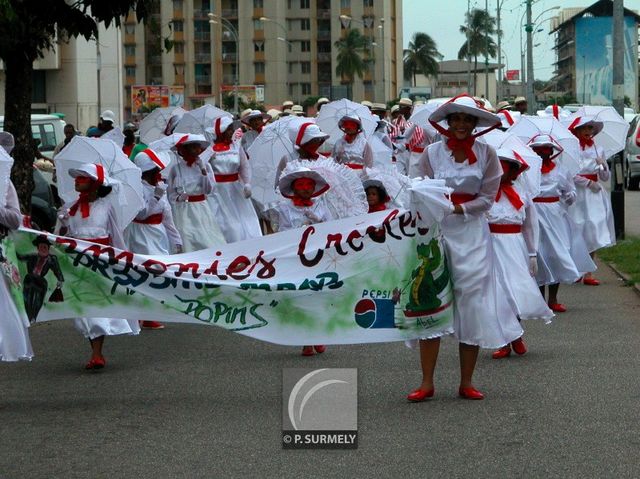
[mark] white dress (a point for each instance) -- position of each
(356, 155)
(512, 252)
(100, 225)
(194, 219)
(478, 297)
(236, 214)
(286, 216)
(592, 211)
(153, 230)
(563, 256)
(14, 333)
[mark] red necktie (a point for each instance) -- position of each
(547, 166)
(465, 145)
(83, 203)
(511, 194)
(222, 145)
(585, 142)
(297, 201)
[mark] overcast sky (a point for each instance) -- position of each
(443, 24)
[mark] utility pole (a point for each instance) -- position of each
(617, 191)
(529, 29)
(468, 49)
(486, 55)
(500, 75)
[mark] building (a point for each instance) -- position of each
(584, 53)
(272, 49)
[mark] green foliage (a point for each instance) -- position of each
(310, 101)
(422, 56)
(349, 61)
(626, 256)
(478, 28)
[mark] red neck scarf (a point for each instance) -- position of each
(547, 166)
(350, 138)
(511, 194)
(190, 159)
(311, 153)
(378, 207)
(585, 142)
(222, 145)
(83, 203)
(301, 202)
(465, 145)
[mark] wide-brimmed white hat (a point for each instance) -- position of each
(322, 101)
(148, 159)
(513, 157)
(250, 114)
(191, 138)
(504, 104)
(7, 141)
(350, 117)
(305, 133)
(91, 170)
(465, 104)
(545, 140)
(378, 184)
(405, 102)
(584, 121)
(286, 181)
(555, 111)
(519, 99)
(108, 115)
(274, 113)
(508, 118)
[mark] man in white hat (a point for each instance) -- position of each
(254, 121)
(297, 110)
(366, 103)
(319, 103)
(503, 105)
(520, 105)
(287, 104)
(410, 139)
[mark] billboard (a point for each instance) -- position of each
(145, 98)
(594, 60)
(512, 75)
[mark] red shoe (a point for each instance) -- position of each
(320, 348)
(308, 351)
(557, 307)
(518, 346)
(590, 281)
(420, 395)
(470, 393)
(151, 325)
(96, 363)
(503, 352)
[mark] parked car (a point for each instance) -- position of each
(632, 155)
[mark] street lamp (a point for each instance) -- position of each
(217, 20)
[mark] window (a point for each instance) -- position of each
(305, 67)
(39, 86)
(177, 4)
(129, 29)
(305, 24)
(345, 3)
(130, 71)
(367, 3)
(178, 47)
(304, 4)
(258, 24)
(258, 3)
(259, 68)
(258, 46)
(291, 68)
(305, 46)
(129, 50)
(178, 26)
(306, 88)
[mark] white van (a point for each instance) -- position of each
(46, 128)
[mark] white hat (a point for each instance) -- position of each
(464, 104)
(350, 117)
(7, 141)
(305, 133)
(91, 170)
(405, 102)
(519, 99)
(513, 157)
(286, 180)
(148, 159)
(545, 140)
(220, 125)
(274, 114)
(322, 101)
(378, 184)
(287, 103)
(190, 138)
(108, 115)
(555, 111)
(508, 118)
(297, 110)
(249, 114)
(395, 108)
(366, 103)
(584, 121)
(504, 104)
(379, 106)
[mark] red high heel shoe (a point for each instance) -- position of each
(503, 352)
(470, 393)
(420, 395)
(308, 351)
(590, 282)
(557, 307)
(96, 363)
(519, 347)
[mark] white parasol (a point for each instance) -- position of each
(266, 151)
(421, 114)
(6, 162)
(114, 135)
(345, 196)
(430, 198)
(382, 154)
(199, 120)
(154, 125)
(396, 184)
(613, 136)
(332, 112)
(531, 126)
(126, 196)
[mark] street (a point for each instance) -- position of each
(197, 402)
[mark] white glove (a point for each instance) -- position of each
(160, 189)
(63, 216)
(182, 198)
(533, 265)
(246, 190)
(594, 186)
(179, 249)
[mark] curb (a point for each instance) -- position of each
(624, 276)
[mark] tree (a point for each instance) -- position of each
(349, 61)
(478, 30)
(28, 28)
(422, 56)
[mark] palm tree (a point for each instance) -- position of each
(422, 56)
(349, 61)
(478, 30)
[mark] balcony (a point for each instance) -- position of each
(178, 15)
(229, 13)
(324, 12)
(324, 57)
(201, 14)
(228, 79)
(202, 36)
(154, 59)
(324, 34)
(130, 60)
(156, 80)
(230, 57)
(202, 57)
(258, 56)
(203, 79)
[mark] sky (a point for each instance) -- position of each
(443, 24)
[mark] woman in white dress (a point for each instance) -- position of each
(14, 333)
(236, 214)
(353, 149)
(190, 181)
(472, 169)
(513, 224)
(153, 231)
(592, 210)
(562, 253)
(307, 140)
(254, 121)
(92, 218)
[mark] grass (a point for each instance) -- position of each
(626, 256)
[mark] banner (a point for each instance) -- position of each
(512, 75)
(146, 98)
(373, 278)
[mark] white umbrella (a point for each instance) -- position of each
(430, 198)
(382, 154)
(265, 154)
(531, 126)
(421, 114)
(396, 184)
(199, 120)
(114, 135)
(126, 197)
(6, 162)
(154, 125)
(613, 136)
(332, 112)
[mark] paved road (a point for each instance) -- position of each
(197, 402)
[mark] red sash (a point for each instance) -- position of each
(590, 176)
(546, 199)
(226, 178)
(504, 229)
(150, 220)
(459, 198)
(196, 198)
